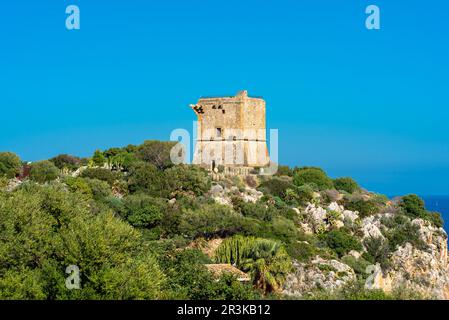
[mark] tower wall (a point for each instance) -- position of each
(231, 132)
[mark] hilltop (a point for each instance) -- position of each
(138, 227)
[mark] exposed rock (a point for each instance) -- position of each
(350, 216)
(377, 280)
(355, 254)
(371, 227)
(319, 274)
(418, 270)
(216, 189)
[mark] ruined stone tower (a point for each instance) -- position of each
(231, 132)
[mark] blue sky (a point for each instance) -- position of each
(371, 104)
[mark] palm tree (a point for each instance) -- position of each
(266, 260)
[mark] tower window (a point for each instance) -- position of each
(218, 132)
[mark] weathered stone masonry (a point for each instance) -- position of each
(231, 132)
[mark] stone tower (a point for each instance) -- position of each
(231, 132)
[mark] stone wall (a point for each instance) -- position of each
(231, 131)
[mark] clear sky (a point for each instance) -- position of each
(371, 104)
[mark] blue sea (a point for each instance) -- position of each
(439, 204)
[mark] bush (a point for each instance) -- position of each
(187, 277)
(377, 251)
(402, 233)
(284, 171)
(143, 211)
(312, 176)
(301, 251)
(101, 174)
(45, 229)
(184, 178)
(98, 159)
(79, 185)
(156, 153)
(147, 178)
(255, 210)
(44, 171)
(65, 161)
(100, 189)
(413, 207)
(341, 242)
(364, 207)
(10, 164)
(208, 221)
(346, 184)
(276, 187)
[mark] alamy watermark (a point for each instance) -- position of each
(73, 281)
(242, 147)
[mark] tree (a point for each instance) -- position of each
(98, 158)
(346, 184)
(46, 228)
(10, 164)
(65, 161)
(147, 178)
(187, 178)
(156, 153)
(414, 207)
(341, 242)
(143, 211)
(311, 175)
(44, 171)
(266, 260)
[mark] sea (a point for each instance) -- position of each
(439, 204)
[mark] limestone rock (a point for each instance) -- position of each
(319, 274)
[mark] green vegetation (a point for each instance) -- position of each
(131, 221)
(413, 207)
(311, 175)
(10, 164)
(266, 260)
(44, 171)
(341, 241)
(346, 184)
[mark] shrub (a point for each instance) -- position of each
(147, 178)
(413, 207)
(301, 251)
(101, 174)
(256, 210)
(377, 251)
(100, 189)
(98, 158)
(209, 220)
(187, 277)
(346, 184)
(79, 185)
(143, 211)
(43, 171)
(184, 178)
(156, 153)
(364, 207)
(312, 175)
(402, 233)
(10, 164)
(65, 161)
(276, 187)
(341, 242)
(45, 229)
(284, 171)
